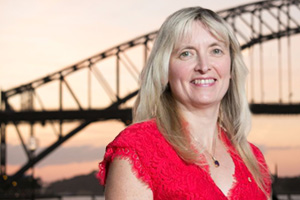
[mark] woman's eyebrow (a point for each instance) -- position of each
(189, 46)
(219, 43)
(181, 47)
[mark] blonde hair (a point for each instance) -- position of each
(155, 98)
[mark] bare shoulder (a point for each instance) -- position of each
(122, 183)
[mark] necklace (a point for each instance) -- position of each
(215, 161)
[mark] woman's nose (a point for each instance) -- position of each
(202, 65)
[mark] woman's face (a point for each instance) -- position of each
(199, 69)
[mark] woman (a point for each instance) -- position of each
(191, 120)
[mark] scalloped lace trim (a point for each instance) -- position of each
(123, 153)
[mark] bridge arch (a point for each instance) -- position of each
(250, 23)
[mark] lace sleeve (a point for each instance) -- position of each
(123, 153)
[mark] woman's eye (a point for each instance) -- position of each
(185, 54)
(217, 51)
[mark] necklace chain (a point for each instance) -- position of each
(215, 161)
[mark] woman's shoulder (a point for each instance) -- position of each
(137, 143)
(137, 134)
(138, 127)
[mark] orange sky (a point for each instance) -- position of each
(41, 37)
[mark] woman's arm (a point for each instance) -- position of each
(122, 184)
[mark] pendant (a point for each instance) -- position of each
(217, 164)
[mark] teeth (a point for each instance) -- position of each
(204, 81)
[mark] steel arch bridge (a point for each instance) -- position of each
(103, 86)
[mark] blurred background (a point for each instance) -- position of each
(69, 74)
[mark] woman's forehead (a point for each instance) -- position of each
(191, 30)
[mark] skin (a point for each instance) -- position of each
(199, 77)
(122, 184)
(200, 56)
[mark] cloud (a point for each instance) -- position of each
(265, 148)
(283, 147)
(60, 156)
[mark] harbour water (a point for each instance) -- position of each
(287, 197)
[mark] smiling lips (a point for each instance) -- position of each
(204, 82)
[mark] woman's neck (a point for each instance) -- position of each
(202, 124)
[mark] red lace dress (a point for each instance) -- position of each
(155, 162)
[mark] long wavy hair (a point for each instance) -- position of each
(155, 99)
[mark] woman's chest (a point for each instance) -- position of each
(174, 179)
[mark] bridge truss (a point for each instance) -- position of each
(104, 86)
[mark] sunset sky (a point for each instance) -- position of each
(41, 37)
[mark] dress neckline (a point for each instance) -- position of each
(232, 153)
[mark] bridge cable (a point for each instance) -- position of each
(60, 104)
(43, 109)
(89, 90)
(118, 75)
(279, 62)
(72, 93)
(103, 83)
(146, 52)
(289, 55)
(251, 50)
(22, 140)
(131, 63)
(261, 57)
(129, 69)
